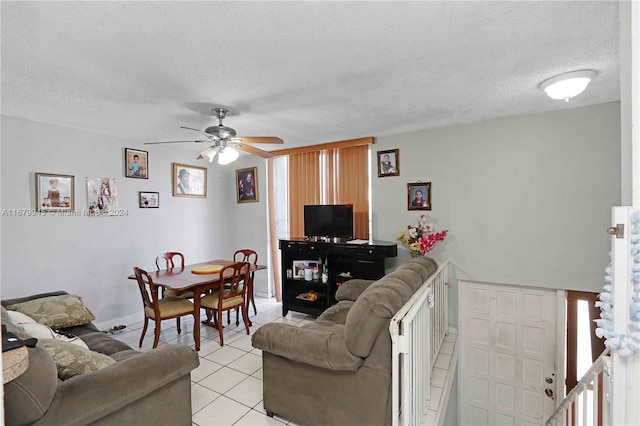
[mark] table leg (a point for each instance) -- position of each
(249, 299)
(196, 317)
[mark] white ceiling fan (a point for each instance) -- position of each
(224, 141)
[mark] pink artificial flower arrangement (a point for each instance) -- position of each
(421, 238)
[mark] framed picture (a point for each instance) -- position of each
(54, 192)
(148, 200)
(298, 269)
(247, 185)
(419, 196)
(102, 195)
(389, 163)
(136, 163)
(189, 181)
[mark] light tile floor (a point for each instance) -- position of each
(226, 388)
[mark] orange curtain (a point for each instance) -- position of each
(304, 188)
(348, 183)
(330, 176)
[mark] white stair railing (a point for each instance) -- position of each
(413, 355)
(588, 402)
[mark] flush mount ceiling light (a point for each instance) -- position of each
(566, 86)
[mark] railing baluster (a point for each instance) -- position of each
(589, 393)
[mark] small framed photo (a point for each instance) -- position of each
(247, 185)
(102, 195)
(136, 163)
(148, 200)
(419, 196)
(189, 181)
(298, 269)
(54, 192)
(389, 163)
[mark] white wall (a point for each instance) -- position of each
(248, 222)
(92, 256)
(526, 199)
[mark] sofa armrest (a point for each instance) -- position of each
(350, 290)
(90, 396)
(321, 344)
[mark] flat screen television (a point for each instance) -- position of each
(330, 221)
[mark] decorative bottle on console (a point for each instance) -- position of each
(325, 271)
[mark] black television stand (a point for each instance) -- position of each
(345, 260)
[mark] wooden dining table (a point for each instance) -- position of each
(179, 279)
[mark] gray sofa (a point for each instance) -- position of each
(150, 388)
(337, 369)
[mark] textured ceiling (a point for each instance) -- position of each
(308, 72)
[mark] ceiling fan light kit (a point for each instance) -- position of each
(566, 86)
(227, 155)
(209, 153)
(224, 138)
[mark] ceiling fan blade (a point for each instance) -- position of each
(209, 136)
(191, 128)
(260, 139)
(153, 143)
(253, 150)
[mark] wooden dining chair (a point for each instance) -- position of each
(250, 256)
(159, 309)
(230, 294)
(169, 260)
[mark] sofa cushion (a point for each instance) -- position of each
(12, 328)
(122, 355)
(5, 315)
(411, 278)
(28, 397)
(72, 360)
(104, 343)
(81, 330)
(337, 313)
(56, 311)
(373, 309)
(350, 290)
(19, 318)
(425, 266)
(41, 331)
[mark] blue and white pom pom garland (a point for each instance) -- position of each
(625, 344)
